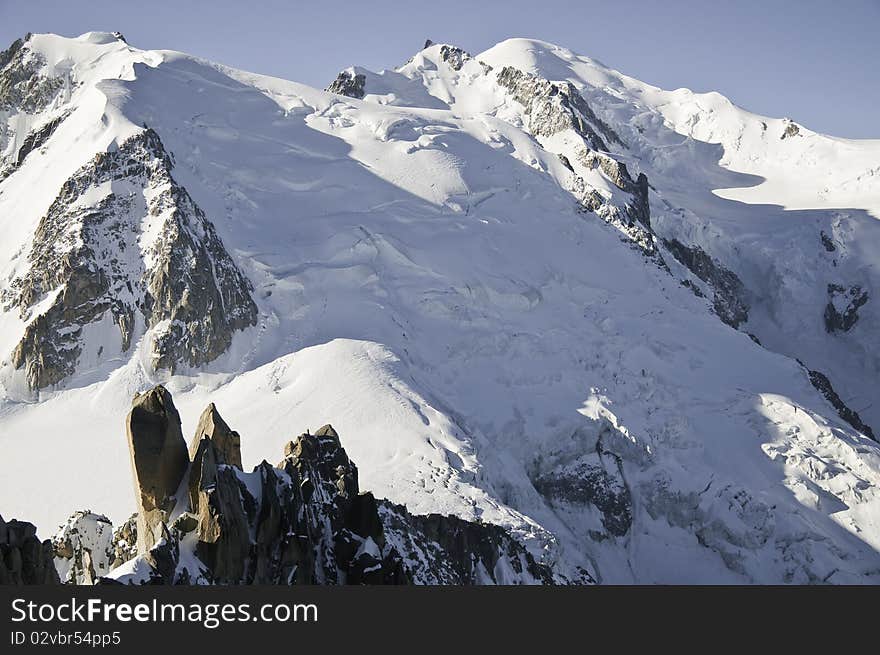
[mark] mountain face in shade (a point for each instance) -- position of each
(570, 326)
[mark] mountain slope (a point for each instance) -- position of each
(510, 277)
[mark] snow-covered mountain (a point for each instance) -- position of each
(636, 328)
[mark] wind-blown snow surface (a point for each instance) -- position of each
(426, 283)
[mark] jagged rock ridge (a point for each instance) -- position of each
(24, 559)
(304, 521)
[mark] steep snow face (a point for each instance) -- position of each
(464, 271)
(791, 212)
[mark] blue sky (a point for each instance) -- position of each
(814, 61)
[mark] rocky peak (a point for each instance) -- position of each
(23, 86)
(455, 57)
(180, 283)
(304, 521)
(349, 83)
(226, 442)
(158, 460)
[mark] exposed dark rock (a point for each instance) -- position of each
(9, 54)
(24, 559)
(455, 57)
(348, 83)
(437, 549)
(823, 384)
(791, 129)
(125, 542)
(187, 287)
(590, 480)
(729, 293)
(303, 522)
(828, 242)
(22, 86)
(555, 106)
(842, 310)
(37, 138)
(158, 461)
(633, 221)
(565, 162)
(638, 209)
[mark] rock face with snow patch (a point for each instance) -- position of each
(22, 85)
(304, 521)
(348, 83)
(553, 107)
(93, 260)
(84, 548)
(729, 301)
(446, 550)
(842, 310)
(25, 90)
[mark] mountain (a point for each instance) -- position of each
(634, 329)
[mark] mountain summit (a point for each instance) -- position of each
(637, 329)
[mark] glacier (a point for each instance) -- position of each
(526, 289)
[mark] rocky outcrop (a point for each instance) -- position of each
(791, 129)
(24, 559)
(552, 107)
(158, 460)
(348, 83)
(586, 477)
(125, 542)
(87, 547)
(555, 106)
(590, 481)
(446, 550)
(304, 521)
(842, 310)
(617, 172)
(93, 262)
(35, 139)
(455, 57)
(821, 382)
(23, 86)
(827, 242)
(729, 300)
(226, 442)
(634, 220)
(84, 548)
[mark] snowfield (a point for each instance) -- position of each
(427, 282)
